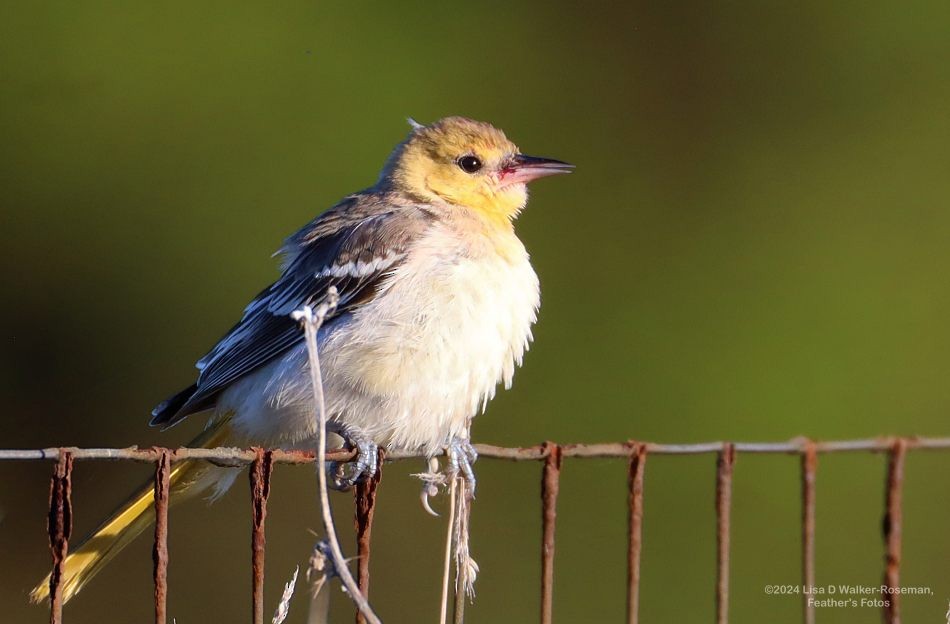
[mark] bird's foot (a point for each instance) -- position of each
(344, 475)
(461, 454)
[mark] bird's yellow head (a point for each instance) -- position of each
(466, 163)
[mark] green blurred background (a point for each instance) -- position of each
(753, 247)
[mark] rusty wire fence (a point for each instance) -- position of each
(550, 454)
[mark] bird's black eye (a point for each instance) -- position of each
(469, 164)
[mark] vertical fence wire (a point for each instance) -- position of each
(809, 471)
(364, 512)
(59, 521)
(160, 547)
(259, 476)
(550, 485)
(636, 464)
(60, 527)
(893, 521)
(724, 468)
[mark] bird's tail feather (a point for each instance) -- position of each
(131, 519)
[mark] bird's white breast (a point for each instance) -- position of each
(412, 367)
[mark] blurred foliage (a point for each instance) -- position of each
(754, 247)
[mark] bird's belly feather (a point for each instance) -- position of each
(410, 368)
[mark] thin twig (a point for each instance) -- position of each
(466, 568)
(312, 320)
(444, 611)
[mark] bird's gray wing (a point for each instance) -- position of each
(343, 248)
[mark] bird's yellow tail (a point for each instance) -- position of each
(129, 520)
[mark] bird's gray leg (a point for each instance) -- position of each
(461, 455)
(344, 476)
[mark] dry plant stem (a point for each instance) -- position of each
(443, 614)
(319, 572)
(459, 600)
(283, 607)
(319, 607)
(312, 321)
(461, 541)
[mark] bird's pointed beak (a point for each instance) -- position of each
(522, 169)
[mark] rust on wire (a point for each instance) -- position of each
(240, 457)
(60, 506)
(809, 470)
(724, 468)
(259, 477)
(160, 547)
(550, 484)
(636, 464)
(893, 522)
(60, 526)
(364, 511)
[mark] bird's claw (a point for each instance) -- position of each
(343, 476)
(431, 480)
(461, 455)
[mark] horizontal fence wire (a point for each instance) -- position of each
(552, 455)
(238, 457)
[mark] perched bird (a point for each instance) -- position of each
(436, 303)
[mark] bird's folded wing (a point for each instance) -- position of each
(355, 254)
